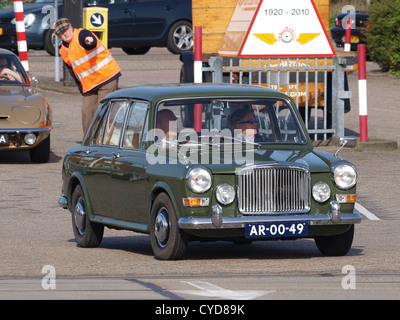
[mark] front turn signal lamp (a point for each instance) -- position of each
(346, 198)
(196, 202)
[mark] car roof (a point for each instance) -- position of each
(184, 90)
(6, 52)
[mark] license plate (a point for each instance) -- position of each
(352, 39)
(3, 138)
(276, 229)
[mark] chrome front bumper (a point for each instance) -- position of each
(218, 221)
(63, 202)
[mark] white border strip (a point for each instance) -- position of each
(366, 213)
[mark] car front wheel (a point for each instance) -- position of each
(336, 245)
(167, 240)
(87, 234)
(180, 37)
(41, 153)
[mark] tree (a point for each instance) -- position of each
(383, 34)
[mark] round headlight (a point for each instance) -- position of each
(321, 191)
(345, 176)
(30, 138)
(225, 194)
(198, 179)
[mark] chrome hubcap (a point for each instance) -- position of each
(183, 38)
(80, 216)
(161, 227)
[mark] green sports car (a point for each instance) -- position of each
(210, 162)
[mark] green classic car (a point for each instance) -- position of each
(206, 162)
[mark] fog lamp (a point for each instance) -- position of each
(30, 138)
(321, 191)
(225, 194)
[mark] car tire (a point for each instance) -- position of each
(140, 50)
(167, 240)
(41, 153)
(180, 37)
(336, 245)
(87, 234)
(48, 43)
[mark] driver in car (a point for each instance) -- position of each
(6, 73)
(243, 120)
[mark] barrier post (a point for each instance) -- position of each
(347, 45)
(21, 35)
(198, 63)
(362, 92)
(198, 74)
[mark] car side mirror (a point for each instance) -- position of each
(348, 141)
(34, 84)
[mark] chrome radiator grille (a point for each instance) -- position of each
(275, 189)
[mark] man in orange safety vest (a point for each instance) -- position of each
(90, 63)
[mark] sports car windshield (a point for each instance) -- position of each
(253, 121)
(11, 71)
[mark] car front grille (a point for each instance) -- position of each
(273, 189)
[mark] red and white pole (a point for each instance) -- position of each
(362, 92)
(198, 63)
(21, 35)
(198, 75)
(347, 45)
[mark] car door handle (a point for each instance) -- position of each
(83, 151)
(116, 155)
(129, 11)
(168, 7)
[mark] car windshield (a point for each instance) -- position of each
(11, 71)
(249, 121)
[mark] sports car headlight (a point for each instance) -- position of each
(198, 179)
(225, 194)
(321, 191)
(345, 176)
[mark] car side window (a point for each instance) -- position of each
(135, 123)
(114, 122)
(96, 132)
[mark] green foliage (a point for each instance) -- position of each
(383, 34)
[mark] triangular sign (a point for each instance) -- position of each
(286, 28)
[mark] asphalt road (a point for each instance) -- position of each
(40, 260)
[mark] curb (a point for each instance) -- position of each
(52, 85)
(377, 144)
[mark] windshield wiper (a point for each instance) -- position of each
(218, 143)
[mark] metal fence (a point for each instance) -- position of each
(317, 86)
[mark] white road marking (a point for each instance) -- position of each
(207, 289)
(365, 212)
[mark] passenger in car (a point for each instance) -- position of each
(166, 121)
